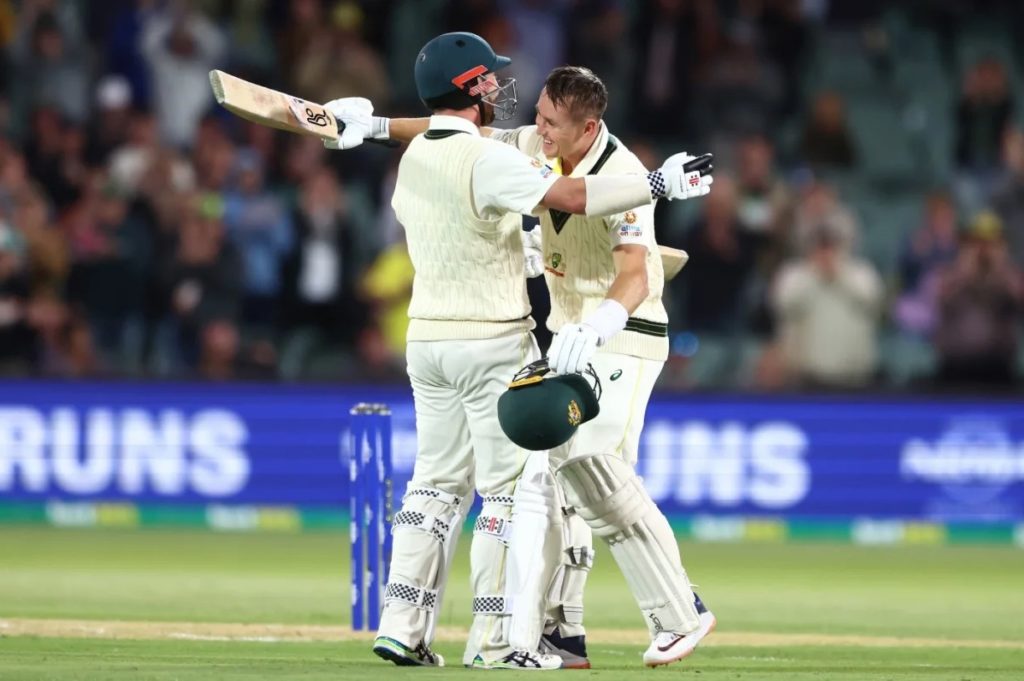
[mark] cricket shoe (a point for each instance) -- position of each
(522, 660)
(669, 646)
(404, 656)
(572, 649)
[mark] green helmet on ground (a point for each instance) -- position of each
(541, 411)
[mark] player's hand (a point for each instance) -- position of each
(533, 252)
(680, 184)
(572, 347)
(357, 115)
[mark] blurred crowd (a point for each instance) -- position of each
(145, 232)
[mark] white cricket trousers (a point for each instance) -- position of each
(460, 446)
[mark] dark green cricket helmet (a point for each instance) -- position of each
(540, 412)
(450, 73)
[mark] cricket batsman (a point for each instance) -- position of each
(605, 278)
(459, 196)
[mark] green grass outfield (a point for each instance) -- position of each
(786, 611)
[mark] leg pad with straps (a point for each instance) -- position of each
(425, 530)
(606, 492)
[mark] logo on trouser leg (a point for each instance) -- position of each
(656, 621)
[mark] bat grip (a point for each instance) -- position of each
(701, 164)
(386, 143)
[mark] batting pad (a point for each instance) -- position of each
(564, 607)
(530, 563)
(425, 531)
(573, 542)
(608, 495)
(488, 635)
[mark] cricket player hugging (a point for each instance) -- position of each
(457, 195)
(605, 280)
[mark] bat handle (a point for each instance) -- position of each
(701, 164)
(385, 143)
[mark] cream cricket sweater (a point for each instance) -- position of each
(469, 280)
(578, 252)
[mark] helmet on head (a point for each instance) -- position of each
(542, 412)
(451, 73)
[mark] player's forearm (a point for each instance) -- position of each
(405, 129)
(629, 289)
(598, 194)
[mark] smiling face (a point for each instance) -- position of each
(564, 135)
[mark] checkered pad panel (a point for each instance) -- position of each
(424, 599)
(500, 500)
(433, 494)
(657, 183)
(438, 528)
(489, 605)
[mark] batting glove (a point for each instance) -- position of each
(572, 348)
(356, 113)
(671, 180)
(533, 252)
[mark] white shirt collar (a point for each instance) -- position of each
(453, 123)
(594, 153)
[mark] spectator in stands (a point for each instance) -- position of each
(50, 60)
(203, 282)
(181, 46)
(131, 162)
(213, 156)
(304, 26)
(933, 244)
(981, 298)
(47, 256)
(765, 200)
(923, 258)
(55, 157)
(596, 24)
(320, 308)
(260, 228)
(985, 108)
(819, 204)
(741, 90)
(785, 37)
(826, 141)
(17, 337)
(1008, 197)
(387, 286)
(828, 306)
(675, 41)
(111, 120)
(112, 257)
(339, 62)
(722, 253)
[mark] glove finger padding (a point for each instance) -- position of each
(555, 351)
(533, 260)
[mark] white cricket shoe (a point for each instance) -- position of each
(668, 646)
(521, 659)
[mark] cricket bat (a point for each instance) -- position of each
(276, 109)
(672, 260)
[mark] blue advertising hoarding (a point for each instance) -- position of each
(841, 458)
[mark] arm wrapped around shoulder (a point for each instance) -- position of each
(610, 194)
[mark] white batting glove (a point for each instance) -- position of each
(672, 182)
(360, 123)
(572, 348)
(533, 252)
